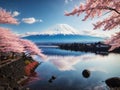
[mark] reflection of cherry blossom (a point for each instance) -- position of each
(33, 78)
(98, 8)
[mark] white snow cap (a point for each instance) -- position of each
(60, 29)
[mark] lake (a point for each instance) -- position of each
(67, 66)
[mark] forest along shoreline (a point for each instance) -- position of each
(96, 47)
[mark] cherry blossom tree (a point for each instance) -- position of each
(93, 8)
(31, 48)
(9, 42)
(114, 42)
(6, 17)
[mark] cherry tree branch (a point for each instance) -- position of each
(112, 9)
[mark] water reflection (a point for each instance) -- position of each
(68, 70)
(64, 63)
(33, 78)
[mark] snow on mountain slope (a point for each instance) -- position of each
(60, 33)
(65, 29)
(60, 29)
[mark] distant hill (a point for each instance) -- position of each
(60, 38)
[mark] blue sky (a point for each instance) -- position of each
(39, 15)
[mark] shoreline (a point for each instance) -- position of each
(13, 74)
(97, 47)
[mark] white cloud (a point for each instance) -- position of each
(29, 33)
(15, 13)
(40, 20)
(31, 20)
(67, 1)
(99, 33)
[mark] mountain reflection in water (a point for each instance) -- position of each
(68, 69)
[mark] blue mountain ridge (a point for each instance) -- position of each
(60, 38)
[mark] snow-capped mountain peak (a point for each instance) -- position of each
(65, 29)
(60, 29)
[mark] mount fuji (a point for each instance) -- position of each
(60, 33)
(64, 29)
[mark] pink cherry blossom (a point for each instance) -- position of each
(9, 42)
(114, 41)
(31, 48)
(93, 8)
(6, 17)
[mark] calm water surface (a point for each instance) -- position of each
(67, 67)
